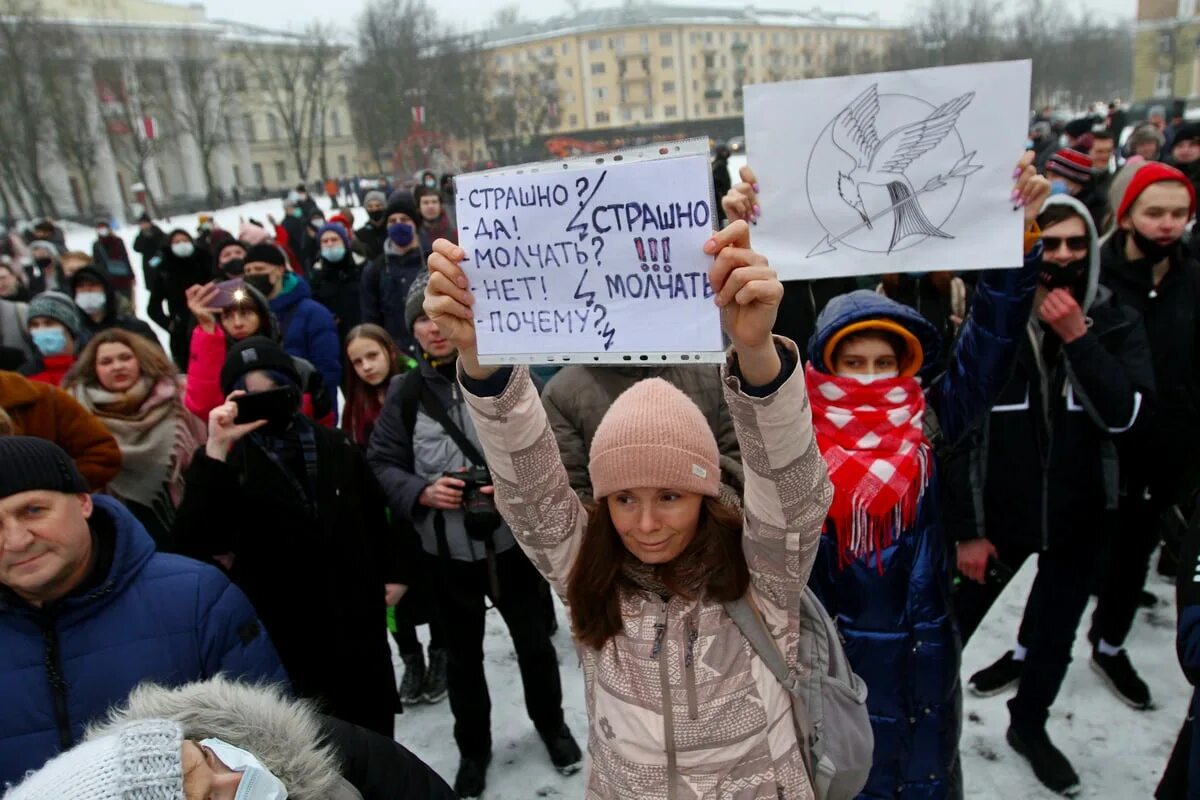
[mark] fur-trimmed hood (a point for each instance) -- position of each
(283, 734)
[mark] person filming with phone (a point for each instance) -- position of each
(293, 513)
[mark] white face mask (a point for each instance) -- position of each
(183, 249)
(257, 783)
(90, 302)
(866, 379)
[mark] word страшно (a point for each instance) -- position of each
(556, 256)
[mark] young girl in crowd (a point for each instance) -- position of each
(128, 383)
(678, 704)
(242, 312)
(372, 360)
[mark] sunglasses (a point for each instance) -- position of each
(1076, 243)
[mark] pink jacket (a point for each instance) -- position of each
(679, 706)
(205, 359)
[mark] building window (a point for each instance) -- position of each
(601, 117)
(548, 51)
(601, 94)
(281, 171)
(237, 175)
(695, 86)
(1162, 86)
(722, 37)
(1165, 42)
(239, 80)
(626, 115)
(248, 126)
(568, 72)
(335, 123)
(258, 175)
(598, 68)
(664, 39)
(669, 111)
(616, 44)
(644, 41)
(624, 94)
(343, 167)
(594, 45)
(726, 107)
(708, 38)
(668, 87)
(574, 120)
(566, 48)
(272, 128)
(668, 62)
(697, 109)
(712, 108)
(648, 113)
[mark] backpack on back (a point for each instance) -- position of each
(829, 706)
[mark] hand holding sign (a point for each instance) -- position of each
(748, 294)
(449, 303)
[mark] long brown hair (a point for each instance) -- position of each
(593, 587)
(362, 399)
(151, 359)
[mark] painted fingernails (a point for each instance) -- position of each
(1017, 172)
(754, 186)
(1016, 193)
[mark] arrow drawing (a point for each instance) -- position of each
(961, 169)
(882, 162)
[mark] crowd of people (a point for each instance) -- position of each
(202, 551)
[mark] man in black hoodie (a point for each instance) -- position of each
(149, 243)
(98, 301)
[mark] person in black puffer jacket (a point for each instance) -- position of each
(182, 265)
(336, 278)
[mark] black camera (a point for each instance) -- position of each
(481, 517)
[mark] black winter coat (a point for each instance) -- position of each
(338, 287)
(174, 277)
(148, 245)
(385, 284)
(1161, 458)
(316, 579)
(803, 302)
(371, 239)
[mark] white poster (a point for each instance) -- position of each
(597, 260)
(893, 172)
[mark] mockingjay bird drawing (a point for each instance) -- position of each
(883, 162)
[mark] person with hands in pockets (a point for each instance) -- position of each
(678, 704)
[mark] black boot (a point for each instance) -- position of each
(1049, 764)
(564, 751)
(1000, 676)
(1122, 678)
(414, 677)
(472, 776)
(434, 688)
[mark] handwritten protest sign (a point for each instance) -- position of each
(596, 260)
(894, 172)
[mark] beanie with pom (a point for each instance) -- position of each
(654, 437)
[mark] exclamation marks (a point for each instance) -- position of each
(657, 247)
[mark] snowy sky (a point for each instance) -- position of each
(295, 13)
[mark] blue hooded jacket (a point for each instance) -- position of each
(153, 617)
(898, 628)
(309, 331)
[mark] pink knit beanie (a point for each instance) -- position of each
(253, 234)
(654, 437)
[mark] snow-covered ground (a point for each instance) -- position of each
(1118, 752)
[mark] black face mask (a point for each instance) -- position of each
(1152, 250)
(1192, 170)
(377, 215)
(260, 282)
(44, 263)
(234, 268)
(1052, 276)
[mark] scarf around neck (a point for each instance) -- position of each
(873, 441)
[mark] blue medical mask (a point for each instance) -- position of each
(257, 783)
(401, 233)
(1058, 187)
(49, 341)
(333, 254)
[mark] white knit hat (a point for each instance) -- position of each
(142, 761)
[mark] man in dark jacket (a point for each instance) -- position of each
(307, 327)
(370, 237)
(1076, 386)
(411, 451)
(96, 298)
(386, 280)
(88, 610)
(149, 244)
(294, 513)
(435, 220)
(1147, 267)
(336, 278)
(110, 255)
(182, 266)
(1185, 152)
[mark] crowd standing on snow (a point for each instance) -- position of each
(199, 555)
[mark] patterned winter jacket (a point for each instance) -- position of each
(679, 706)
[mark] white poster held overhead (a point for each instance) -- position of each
(596, 260)
(893, 172)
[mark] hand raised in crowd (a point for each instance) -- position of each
(973, 557)
(223, 431)
(748, 292)
(448, 302)
(1030, 190)
(444, 494)
(200, 300)
(393, 593)
(1062, 313)
(741, 202)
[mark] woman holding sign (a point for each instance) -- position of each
(678, 704)
(888, 414)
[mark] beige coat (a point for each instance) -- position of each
(679, 707)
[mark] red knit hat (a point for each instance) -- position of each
(1071, 164)
(1154, 172)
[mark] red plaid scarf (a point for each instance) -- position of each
(872, 438)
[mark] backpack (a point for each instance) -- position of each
(829, 707)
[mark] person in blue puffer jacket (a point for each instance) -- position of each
(309, 329)
(88, 610)
(883, 569)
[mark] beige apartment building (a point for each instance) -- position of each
(130, 45)
(655, 65)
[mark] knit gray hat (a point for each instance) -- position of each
(375, 196)
(414, 303)
(29, 464)
(143, 759)
(59, 307)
